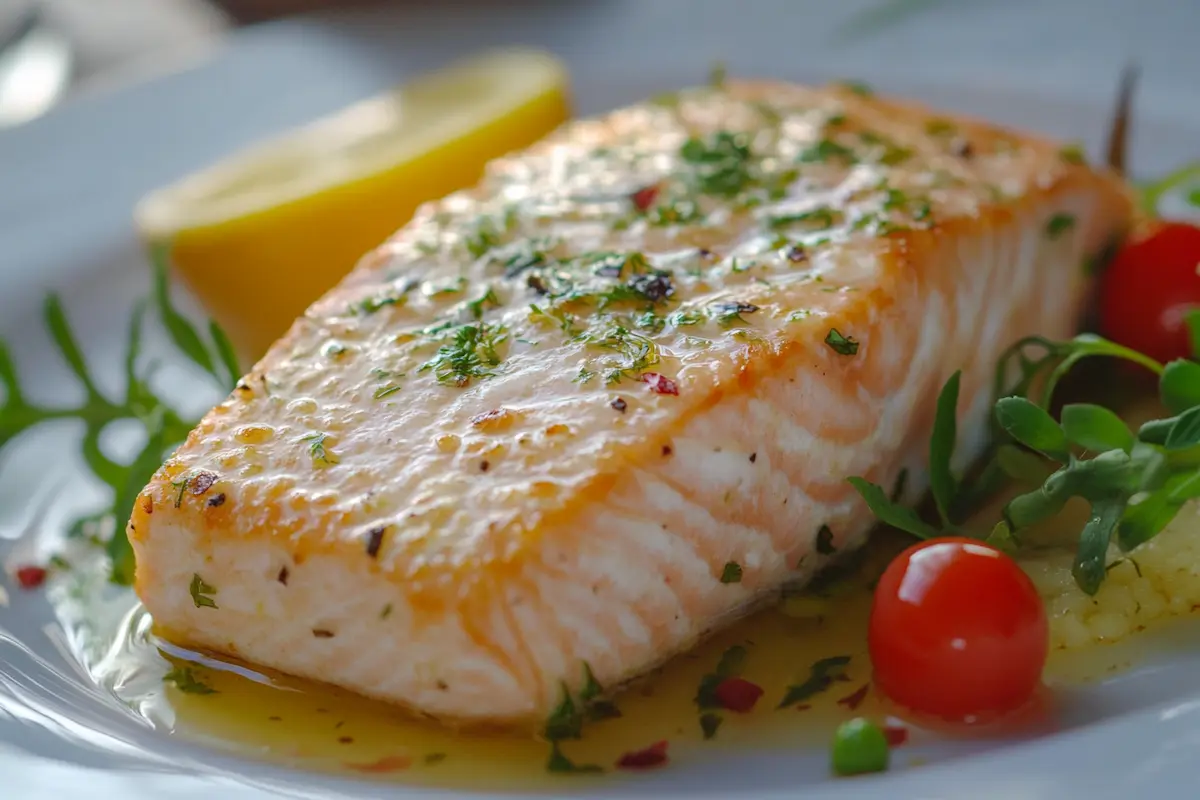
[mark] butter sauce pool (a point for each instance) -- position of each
(247, 711)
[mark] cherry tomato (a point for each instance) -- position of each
(957, 631)
(1148, 289)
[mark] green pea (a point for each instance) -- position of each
(859, 746)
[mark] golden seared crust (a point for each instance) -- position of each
(473, 400)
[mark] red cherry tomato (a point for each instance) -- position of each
(957, 631)
(1149, 287)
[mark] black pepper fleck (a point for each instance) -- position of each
(217, 500)
(654, 287)
(321, 633)
(619, 405)
(484, 466)
(283, 575)
(536, 283)
(666, 450)
(442, 685)
(962, 148)
(753, 457)
(375, 540)
(345, 740)
(796, 254)
(275, 719)
(704, 252)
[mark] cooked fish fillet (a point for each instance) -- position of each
(607, 401)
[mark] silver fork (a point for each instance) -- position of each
(35, 66)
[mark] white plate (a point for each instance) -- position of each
(67, 183)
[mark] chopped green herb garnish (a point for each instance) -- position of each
(185, 680)
(721, 164)
(818, 218)
(595, 707)
(826, 150)
(1059, 224)
(681, 319)
(729, 666)
(561, 764)
(1073, 154)
(487, 300)
(677, 212)
(472, 354)
(732, 573)
(566, 720)
(201, 592)
(709, 723)
(843, 345)
(940, 127)
(820, 675)
(317, 448)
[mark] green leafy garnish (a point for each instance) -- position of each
(185, 680)
(709, 723)
(1135, 483)
(941, 448)
(820, 675)
(558, 762)
(320, 453)
(729, 666)
(472, 353)
(732, 573)
(843, 345)
(201, 592)
(164, 427)
(1059, 224)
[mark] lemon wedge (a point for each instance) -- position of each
(260, 235)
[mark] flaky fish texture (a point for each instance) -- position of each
(607, 401)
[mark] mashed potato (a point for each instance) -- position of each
(1157, 580)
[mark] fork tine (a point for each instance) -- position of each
(1118, 131)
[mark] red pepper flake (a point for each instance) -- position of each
(31, 577)
(737, 694)
(201, 482)
(644, 198)
(659, 384)
(853, 701)
(653, 756)
(896, 735)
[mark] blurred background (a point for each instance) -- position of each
(52, 49)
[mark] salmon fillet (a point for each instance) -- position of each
(606, 402)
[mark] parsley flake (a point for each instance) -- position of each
(1059, 224)
(317, 448)
(820, 675)
(843, 345)
(185, 680)
(201, 592)
(732, 573)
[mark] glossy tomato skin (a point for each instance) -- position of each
(957, 631)
(1150, 285)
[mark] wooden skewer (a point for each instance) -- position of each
(1118, 131)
